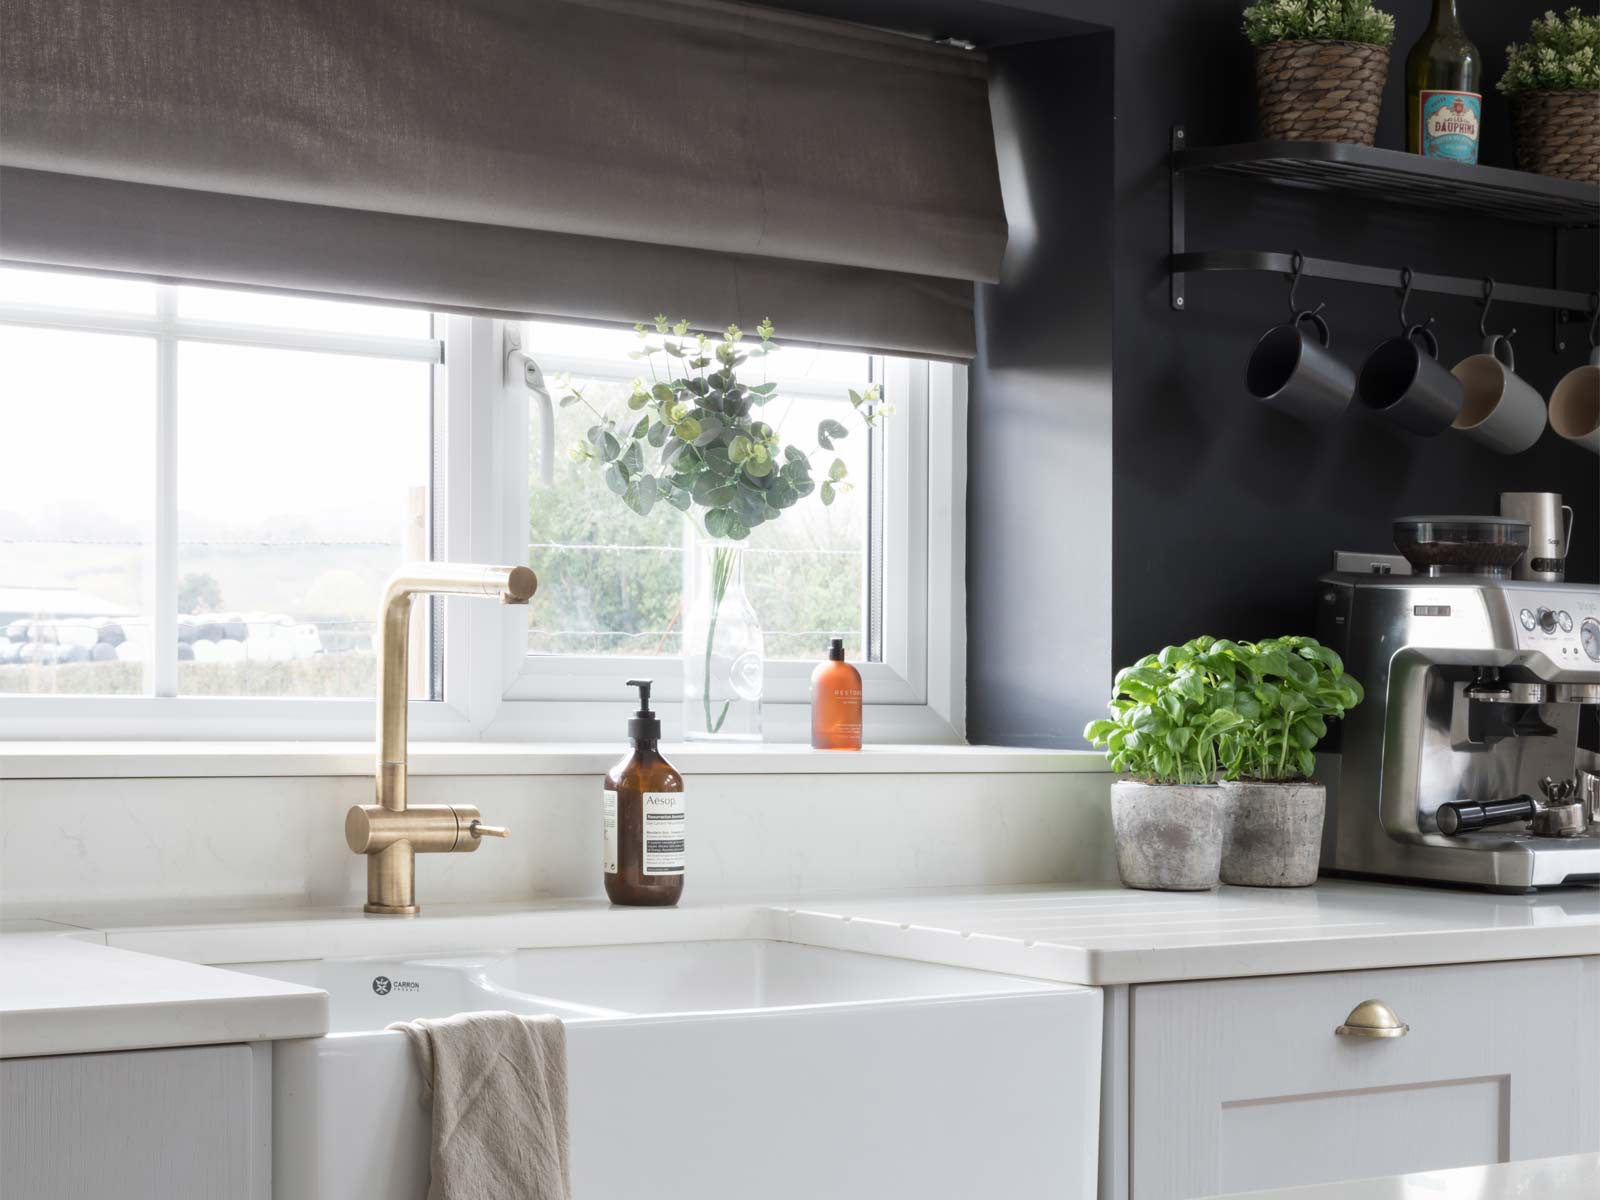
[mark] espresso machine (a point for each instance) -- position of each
(1475, 757)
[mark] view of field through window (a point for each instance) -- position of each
(612, 581)
(301, 482)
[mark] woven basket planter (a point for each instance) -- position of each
(1558, 133)
(1320, 91)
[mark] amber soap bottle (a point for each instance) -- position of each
(644, 816)
(836, 702)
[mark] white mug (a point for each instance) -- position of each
(1575, 404)
(1499, 410)
(1549, 534)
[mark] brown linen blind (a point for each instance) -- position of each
(598, 159)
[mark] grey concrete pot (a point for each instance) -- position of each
(1274, 836)
(1169, 836)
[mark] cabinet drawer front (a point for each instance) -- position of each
(1243, 1083)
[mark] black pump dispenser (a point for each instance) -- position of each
(644, 726)
(836, 650)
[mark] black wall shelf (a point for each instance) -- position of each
(1396, 178)
(1392, 178)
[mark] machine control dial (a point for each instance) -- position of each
(1590, 633)
(1566, 620)
(1528, 619)
(1547, 620)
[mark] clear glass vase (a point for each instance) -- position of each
(724, 657)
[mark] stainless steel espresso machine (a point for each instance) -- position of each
(1475, 757)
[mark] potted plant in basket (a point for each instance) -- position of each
(1553, 83)
(1285, 690)
(1320, 67)
(1170, 715)
(693, 434)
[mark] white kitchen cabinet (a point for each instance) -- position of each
(1238, 1084)
(192, 1123)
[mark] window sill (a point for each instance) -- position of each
(162, 760)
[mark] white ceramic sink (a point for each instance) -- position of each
(717, 1069)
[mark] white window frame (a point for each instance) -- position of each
(915, 694)
(493, 689)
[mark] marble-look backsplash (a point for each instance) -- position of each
(77, 845)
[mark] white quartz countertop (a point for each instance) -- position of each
(61, 994)
(1106, 934)
(91, 982)
(1575, 1177)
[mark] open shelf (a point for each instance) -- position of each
(1388, 176)
(1408, 179)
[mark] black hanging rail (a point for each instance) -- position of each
(1388, 177)
(1388, 277)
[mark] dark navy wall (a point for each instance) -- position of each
(1223, 512)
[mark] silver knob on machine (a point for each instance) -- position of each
(1547, 620)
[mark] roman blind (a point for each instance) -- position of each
(591, 159)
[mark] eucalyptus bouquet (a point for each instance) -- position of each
(698, 433)
(695, 434)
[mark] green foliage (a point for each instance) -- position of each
(199, 593)
(1170, 712)
(1213, 706)
(1562, 54)
(1287, 689)
(692, 435)
(1268, 21)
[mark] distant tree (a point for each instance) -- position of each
(199, 593)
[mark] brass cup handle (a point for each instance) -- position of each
(479, 830)
(1373, 1019)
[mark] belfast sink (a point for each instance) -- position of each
(716, 1070)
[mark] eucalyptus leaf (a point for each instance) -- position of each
(827, 493)
(830, 431)
(838, 471)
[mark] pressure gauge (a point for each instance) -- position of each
(1591, 638)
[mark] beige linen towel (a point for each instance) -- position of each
(497, 1084)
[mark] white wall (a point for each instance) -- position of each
(77, 845)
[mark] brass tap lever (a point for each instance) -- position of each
(391, 833)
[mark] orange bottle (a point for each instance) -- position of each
(836, 703)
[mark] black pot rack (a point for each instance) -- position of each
(1392, 178)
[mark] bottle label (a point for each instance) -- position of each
(662, 830)
(610, 827)
(1450, 124)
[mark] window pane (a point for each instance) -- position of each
(301, 312)
(611, 582)
(302, 483)
(65, 289)
(76, 494)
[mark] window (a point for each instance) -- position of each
(204, 490)
(616, 580)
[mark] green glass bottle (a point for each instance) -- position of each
(1444, 101)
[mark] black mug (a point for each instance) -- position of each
(1294, 372)
(1405, 384)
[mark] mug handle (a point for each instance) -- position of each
(1427, 335)
(1493, 344)
(1566, 544)
(1316, 318)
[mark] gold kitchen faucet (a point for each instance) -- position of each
(389, 833)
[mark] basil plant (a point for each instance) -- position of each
(1287, 689)
(1170, 713)
(697, 434)
(1213, 707)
